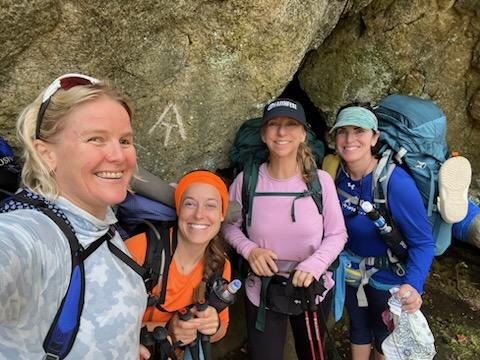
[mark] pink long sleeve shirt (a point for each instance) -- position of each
(314, 240)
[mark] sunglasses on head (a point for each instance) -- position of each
(64, 82)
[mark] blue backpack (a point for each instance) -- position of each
(9, 170)
(412, 131)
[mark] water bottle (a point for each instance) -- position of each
(392, 237)
(375, 216)
(223, 294)
(228, 295)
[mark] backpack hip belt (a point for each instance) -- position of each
(362, 277)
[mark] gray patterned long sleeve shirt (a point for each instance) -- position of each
(35, 268)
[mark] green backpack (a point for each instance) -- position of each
(249, 152)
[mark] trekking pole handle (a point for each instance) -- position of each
(184, 314)
(202, 305)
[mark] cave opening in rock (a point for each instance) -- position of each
(315, 117)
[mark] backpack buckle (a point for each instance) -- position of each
(152, 300)
(148, 283)
(50, 356)
(396, 265)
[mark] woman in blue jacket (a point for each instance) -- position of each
(356, 134)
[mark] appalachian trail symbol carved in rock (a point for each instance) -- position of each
(169, 125)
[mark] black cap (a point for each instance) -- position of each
(285, 107)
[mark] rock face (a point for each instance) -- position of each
(429, 49)
(194, 69)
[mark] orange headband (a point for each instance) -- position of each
(205, 177)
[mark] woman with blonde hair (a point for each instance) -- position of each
(79, 159)
(305, 245)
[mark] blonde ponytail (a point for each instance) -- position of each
(305, 160)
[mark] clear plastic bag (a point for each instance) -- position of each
(411, 338)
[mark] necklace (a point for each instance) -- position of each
(355, 211)
(368, 169)
(184, 267)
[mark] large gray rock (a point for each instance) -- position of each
(194, 69)
(425, 48)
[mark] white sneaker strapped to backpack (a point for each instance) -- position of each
(453, 181)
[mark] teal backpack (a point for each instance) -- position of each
(249, 152)
(412, 131)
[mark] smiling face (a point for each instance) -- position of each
(354, 144)
(93, 157)
(200, 214)
(283, 136)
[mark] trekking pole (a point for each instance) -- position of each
(163, 348)
(147, 340)
(185, 314)
(313, 309)
(307, 324)
(202, 305)
(318, 336)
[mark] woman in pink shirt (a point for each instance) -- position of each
(309, 242)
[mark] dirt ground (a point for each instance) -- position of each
(451, 306)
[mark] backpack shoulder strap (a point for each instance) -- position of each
(153, 252)
(381, 177)
(170, 244)
(250, 178)
(63, 330)
(315, 188)
(398, 249)
(331, 164)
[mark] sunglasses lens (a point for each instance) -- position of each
(70, 82)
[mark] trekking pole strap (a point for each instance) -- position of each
(262, 311)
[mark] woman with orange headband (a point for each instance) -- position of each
(201, 202)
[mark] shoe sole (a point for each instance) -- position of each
(453, 182)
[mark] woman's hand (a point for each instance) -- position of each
(184, 331)
(144, 353)
(302, 279)
(262, 262)
(209, 320)
(410, 298)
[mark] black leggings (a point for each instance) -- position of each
(268, 345)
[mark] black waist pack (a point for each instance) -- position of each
(284, 298)
(279, 295)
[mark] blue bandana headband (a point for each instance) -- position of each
(356, 116)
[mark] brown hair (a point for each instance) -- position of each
(213, 264)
